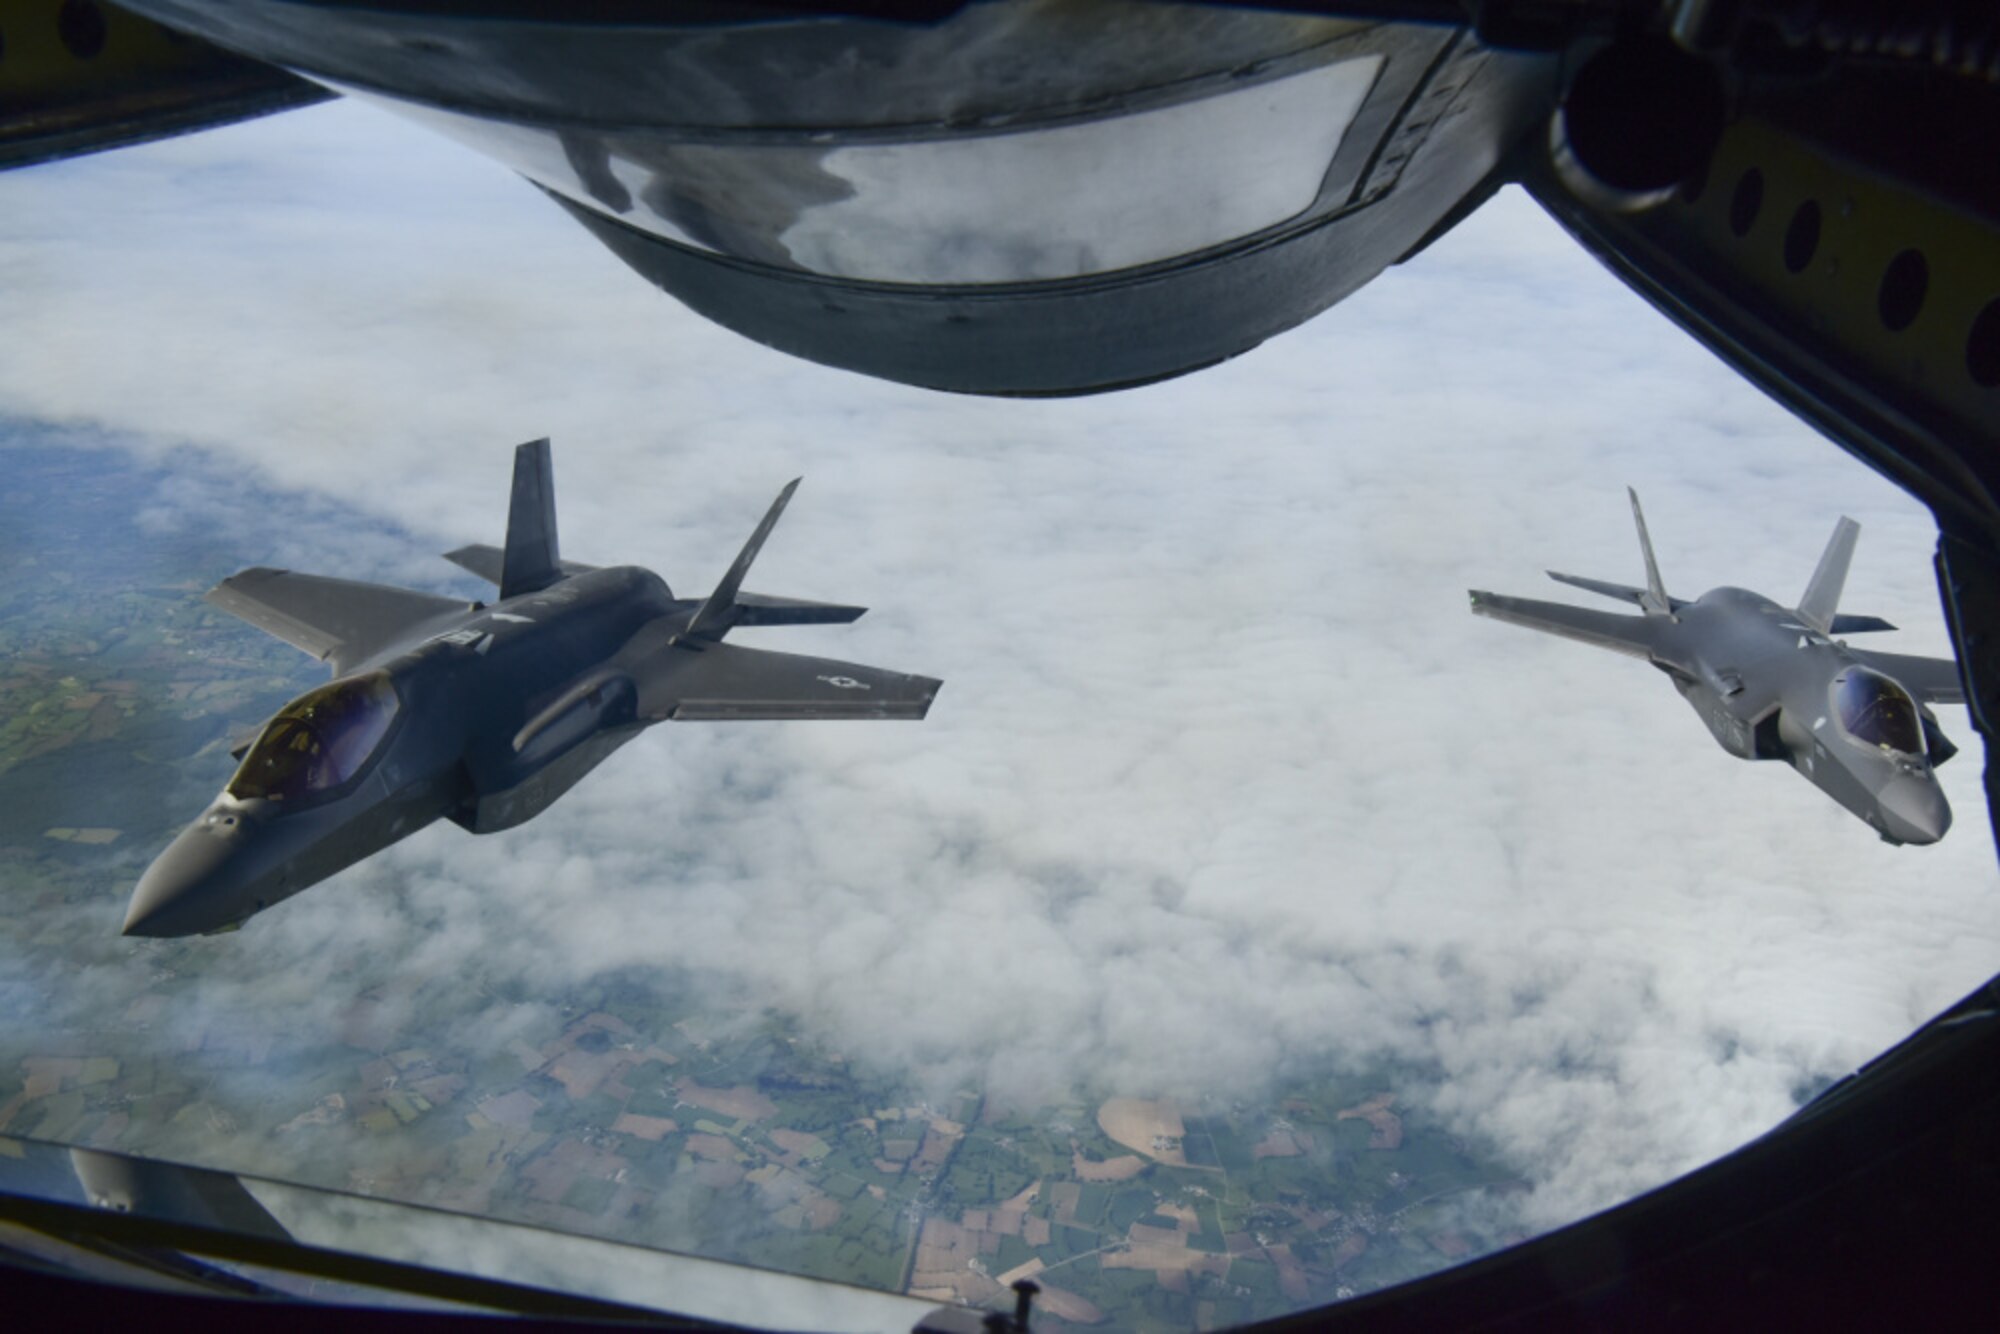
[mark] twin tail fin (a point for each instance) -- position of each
(531, 560)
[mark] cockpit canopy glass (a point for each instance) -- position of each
(318, 741)
(1874, 709)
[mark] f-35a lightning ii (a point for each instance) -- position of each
(480, 714)
(1772, 683)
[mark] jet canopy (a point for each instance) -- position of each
(1875, 710)
(318, 741)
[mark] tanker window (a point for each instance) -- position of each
(966, 206)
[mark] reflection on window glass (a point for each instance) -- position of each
(1876, 710)
(1143, 188)
(963, 208)
(318, 741)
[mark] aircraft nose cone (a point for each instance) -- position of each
(180, 892)
(1915, 810)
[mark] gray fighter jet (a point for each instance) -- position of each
(479, 714)
(1772, 683)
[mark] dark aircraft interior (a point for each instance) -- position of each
(1700, 149)
(319, 742)
(1877, 711)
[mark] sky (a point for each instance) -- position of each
(1224, 780)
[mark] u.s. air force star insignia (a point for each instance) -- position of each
(845, 683)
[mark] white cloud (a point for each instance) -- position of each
(1224, 777)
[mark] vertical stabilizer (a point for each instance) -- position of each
(1654, 601)
(715, 616)
(1822, 597)
(530, 561)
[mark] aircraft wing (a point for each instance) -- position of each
(1931, 680)
(338, 621)
(703, 681)
(1636, 635)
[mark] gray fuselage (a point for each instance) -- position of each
(462, 687)
(481, 714)
(1770, 687)
(1774, 683)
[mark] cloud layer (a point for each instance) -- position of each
(1224, 780)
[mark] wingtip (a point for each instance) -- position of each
(785, 495)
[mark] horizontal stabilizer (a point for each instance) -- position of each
(1623, 592)
(759, 609)
(1844, 624)
(489, 562)
(1638, 636)
(338, 621)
